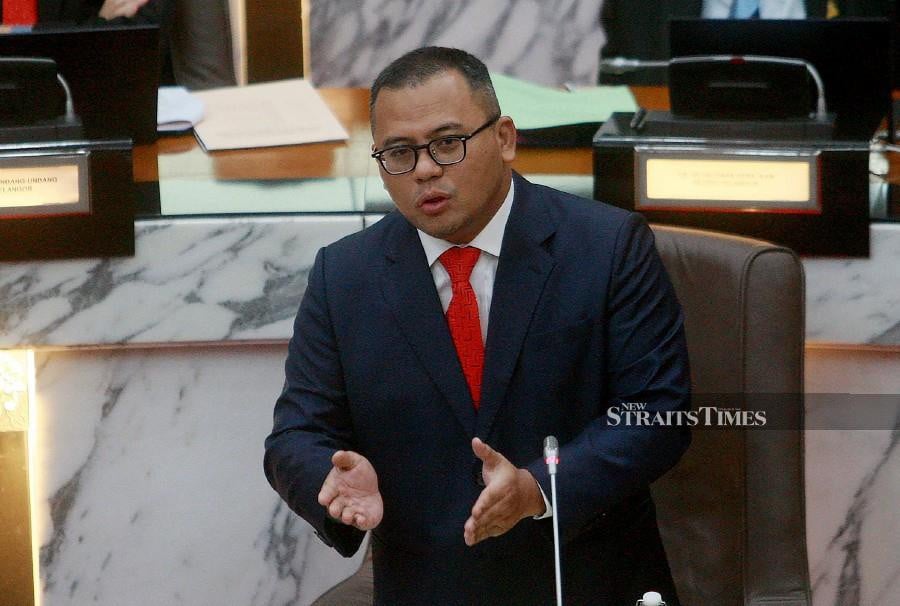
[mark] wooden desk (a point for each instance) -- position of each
(351, 158)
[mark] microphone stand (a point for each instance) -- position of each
(551, 457)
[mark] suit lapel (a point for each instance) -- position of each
(525, 264)
(408, 288)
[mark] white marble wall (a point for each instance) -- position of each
(150, 488)
(546, 41)
(191, 280)
(856, 300)
(149, 477)
(853, 481)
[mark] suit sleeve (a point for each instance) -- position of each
(312, 419)
(647, 363)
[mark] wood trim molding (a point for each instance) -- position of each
(274, 46)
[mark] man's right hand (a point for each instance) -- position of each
(350, 491)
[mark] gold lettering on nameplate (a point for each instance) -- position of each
(39, 186)
(745, 180)
(44, 185)
(750, 180)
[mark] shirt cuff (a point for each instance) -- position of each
(548, 510)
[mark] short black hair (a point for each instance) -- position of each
(418, 66)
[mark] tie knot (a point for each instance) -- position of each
(459, 262)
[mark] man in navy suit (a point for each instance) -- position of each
(416, 400)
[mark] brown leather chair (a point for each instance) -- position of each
(731, 513)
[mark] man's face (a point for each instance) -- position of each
(452, 202)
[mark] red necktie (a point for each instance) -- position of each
(462, 316)
(19, 12)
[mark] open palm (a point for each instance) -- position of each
(350, 491)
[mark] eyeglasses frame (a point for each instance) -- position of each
(379, 153)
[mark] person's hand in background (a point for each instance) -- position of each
(113, 9)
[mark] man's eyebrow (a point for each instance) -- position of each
(440, 130)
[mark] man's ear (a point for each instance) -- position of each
(506, 133)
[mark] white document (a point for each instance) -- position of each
(288, 112)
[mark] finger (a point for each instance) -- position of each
(485, 501)
(326, 496)
(134, 7)
(348, 514)
(474, 533)
(494, 498)
(491, 517)
(336, 508)
(329, 489)
(469, 532)
(487, 531)
(484, 452)
(345, 460)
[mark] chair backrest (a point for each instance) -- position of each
(731, 513)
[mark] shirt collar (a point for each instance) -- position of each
(489, 240)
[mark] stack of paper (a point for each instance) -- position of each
(289, 112)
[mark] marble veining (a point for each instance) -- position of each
(550, 42)
(189, 281)
(857, 531)
(150, 487)
(200, 280)
(856, 300)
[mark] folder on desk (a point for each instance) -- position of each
(288, 112)
(555, 117)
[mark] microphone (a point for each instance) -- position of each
(551, 458)
(618, 66)
(651, 598)
(622, 65)
(551, 453)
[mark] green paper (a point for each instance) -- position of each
(535, 106)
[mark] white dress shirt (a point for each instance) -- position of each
(483, 274)
(489, 241)
(768, 9)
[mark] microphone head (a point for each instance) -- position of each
(651, 598)
(551, 449)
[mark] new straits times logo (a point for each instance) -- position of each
(635, 414)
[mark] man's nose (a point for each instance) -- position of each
(426, 167)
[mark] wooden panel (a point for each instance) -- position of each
(274, 49)
(16, 579)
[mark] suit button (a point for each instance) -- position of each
(476, 474)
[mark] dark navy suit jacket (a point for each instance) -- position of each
(583, 317)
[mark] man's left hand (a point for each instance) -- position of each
(510, 494)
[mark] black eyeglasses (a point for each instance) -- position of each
(444, 150)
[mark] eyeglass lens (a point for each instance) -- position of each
(443, 151)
